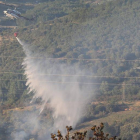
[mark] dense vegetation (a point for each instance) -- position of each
(102, 38)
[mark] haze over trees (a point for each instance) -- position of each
(103, 38)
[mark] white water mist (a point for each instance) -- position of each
(51, 81)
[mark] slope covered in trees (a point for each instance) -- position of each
(103, 39)
(109, 32)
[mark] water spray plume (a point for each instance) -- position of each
(66, 100)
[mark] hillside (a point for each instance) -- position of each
(101, 38)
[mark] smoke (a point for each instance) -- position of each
(59, 85)
(25, 123)
(19, 135)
